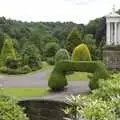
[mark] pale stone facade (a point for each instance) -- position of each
(113, 28)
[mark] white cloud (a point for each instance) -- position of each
(80, 11)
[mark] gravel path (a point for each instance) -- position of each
(36, 79)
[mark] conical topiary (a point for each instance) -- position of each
(81, 53)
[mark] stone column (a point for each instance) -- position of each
(119, 33)
(108, 34)
(115, 33)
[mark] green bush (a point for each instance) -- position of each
(22, 70)
(109, 88)
(81, 53)
(50, 60)
(8, 50)
(31, 56)
(96, 109)
(9, 110)
(62, 54)
(11, 63)
(25, 69)
(51, 49)
(90, 108)
(58, 80)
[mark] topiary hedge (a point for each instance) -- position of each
(81, 53)
(62, 54)
(58, 80)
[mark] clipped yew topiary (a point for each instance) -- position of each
(81, 53)
(58, 80)
(62, 54)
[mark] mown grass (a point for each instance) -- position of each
(75, 76)
(78, 76)
(25, 92)
(46, 66)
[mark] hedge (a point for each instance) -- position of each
(58, 80)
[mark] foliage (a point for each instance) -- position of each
(74, 106)
(91, 43)
(11, 63)
(22, 70)
(96, 109)
(51, 49)
(31, 56)
(109, 89)
(25, 69)
(58, 80)
(8, 50)
(9, 110)
(81, 53)
(50, 60)
(62, 54)
(89, 108)
(72, 40)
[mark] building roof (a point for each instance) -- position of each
(113, 13)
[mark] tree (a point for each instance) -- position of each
(91, 43)
(2, 39)
(72, 40)
(51, 49)
(8, 50)
(31, 56)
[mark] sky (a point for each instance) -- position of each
(79, 11)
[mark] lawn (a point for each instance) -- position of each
(46, 66)
(25, 92)
(78, 76)
(75, 76)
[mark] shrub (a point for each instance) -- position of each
(31, 56)
(58, 80)
(51, 49)
(96, 109)
(22, 70)
(9, 110)
(62, 54)
(25, 69)
(11, 63)
(90, 108)
(109, 88)
(8, 50)
(50, 60)
(81, 53)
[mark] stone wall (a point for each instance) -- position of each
(111, 59)
(43, 109)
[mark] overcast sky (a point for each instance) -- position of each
(79, 11)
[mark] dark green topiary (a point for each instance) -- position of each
(62, 54)
(81, 53)
(58, 80)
